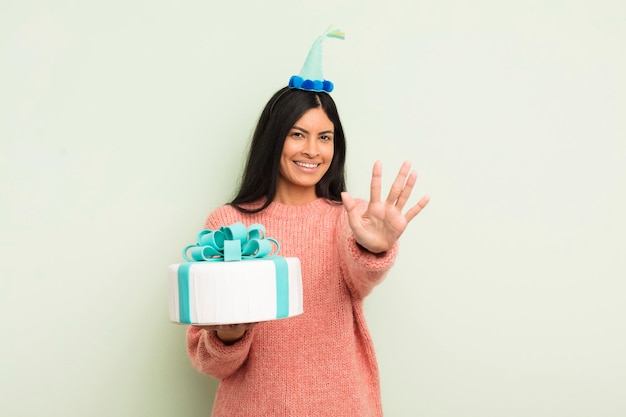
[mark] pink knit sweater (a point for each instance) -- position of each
(318, 364)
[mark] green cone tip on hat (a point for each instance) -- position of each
(311, 77)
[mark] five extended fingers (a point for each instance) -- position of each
(384, 216)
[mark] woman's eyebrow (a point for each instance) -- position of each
(325, 132)
(300, 129)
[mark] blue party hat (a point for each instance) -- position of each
(311, 77)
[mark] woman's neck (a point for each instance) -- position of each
(293, 195)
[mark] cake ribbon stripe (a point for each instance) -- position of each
(230, 244)
(184, 309)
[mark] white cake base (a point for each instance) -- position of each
(234, 292)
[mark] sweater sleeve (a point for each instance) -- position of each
(362, 269)
(212, 357)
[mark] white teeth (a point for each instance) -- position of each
(305, 165)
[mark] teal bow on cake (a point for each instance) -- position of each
(231, 243)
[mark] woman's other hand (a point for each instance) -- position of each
(228, 333)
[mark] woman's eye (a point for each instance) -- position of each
(297, 135)
(326, 138)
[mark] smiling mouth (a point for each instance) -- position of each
(306, 165)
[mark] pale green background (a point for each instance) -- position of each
(123, 123)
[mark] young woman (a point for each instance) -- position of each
(320, 363)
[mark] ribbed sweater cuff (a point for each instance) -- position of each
(371, 261)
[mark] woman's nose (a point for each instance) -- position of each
(310, 148)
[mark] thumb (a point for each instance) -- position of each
(348, 202)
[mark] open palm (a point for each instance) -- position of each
(382, 223)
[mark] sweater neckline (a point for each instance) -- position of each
(304, 209)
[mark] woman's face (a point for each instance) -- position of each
(307, 154)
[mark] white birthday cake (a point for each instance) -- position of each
(234, 275)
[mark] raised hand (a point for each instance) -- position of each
(382, 223)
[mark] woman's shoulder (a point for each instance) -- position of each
(223, 215)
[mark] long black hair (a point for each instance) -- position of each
(282, 111)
